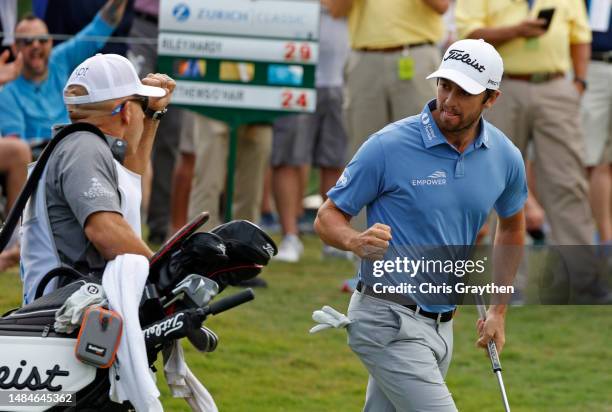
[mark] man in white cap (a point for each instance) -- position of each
(86, 209)
(426, 181)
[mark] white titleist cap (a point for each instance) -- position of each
(107, 77)
(474, 65)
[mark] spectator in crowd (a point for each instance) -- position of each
(70, 16)
(541, 104)
(394, 47)
(211, 138)
(597, 121)
(14, 158)
(15, 155)
(183, 174)
(268, 220)
(318, 139)
(31, 104)
(144, 56)
(450, 32)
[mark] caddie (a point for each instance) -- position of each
(426, 180)
(86, 208)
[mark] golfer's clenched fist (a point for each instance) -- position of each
(334, 228)
(372, 243)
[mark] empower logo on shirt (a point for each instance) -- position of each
(437, 178)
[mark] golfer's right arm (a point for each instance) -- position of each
(112, 236)
(333, 227)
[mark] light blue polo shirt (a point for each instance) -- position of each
(409, 177)
(29, 109)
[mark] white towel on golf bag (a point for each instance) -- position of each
(123, 281)
(183, 384)
(327, 318)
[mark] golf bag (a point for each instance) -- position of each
(185, 275)
(38, 367)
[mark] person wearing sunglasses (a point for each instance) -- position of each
(31, 104)
(88, 199)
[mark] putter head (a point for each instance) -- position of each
(197, 290)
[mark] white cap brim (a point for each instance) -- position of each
(116, 93)
(469, 85)
(150, 91)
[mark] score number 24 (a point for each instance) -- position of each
(294, 100)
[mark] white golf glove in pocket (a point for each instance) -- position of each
(69, 316)
(327, 318)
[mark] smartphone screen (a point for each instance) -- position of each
(546, 14)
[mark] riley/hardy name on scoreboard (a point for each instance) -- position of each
(263, 50)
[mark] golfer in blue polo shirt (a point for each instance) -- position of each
(427, 180)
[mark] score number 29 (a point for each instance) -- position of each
(294, 52)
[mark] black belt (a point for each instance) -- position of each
(437, 316)
(151, 18)
(394, 49)
(602, 56)
(535, 77)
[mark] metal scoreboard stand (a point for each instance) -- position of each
(240, 61)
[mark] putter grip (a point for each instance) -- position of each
(231, 301)
(495, 363)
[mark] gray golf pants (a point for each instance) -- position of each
(406, 354)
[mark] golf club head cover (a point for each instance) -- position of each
(201, 253)
(172, 327)
(249, 248)
(203, 339)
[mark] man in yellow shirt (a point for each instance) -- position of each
(540, 101)
(393, 49)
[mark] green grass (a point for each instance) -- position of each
(556, 358)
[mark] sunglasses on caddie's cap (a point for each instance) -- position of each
(108, 77)
(474, 65)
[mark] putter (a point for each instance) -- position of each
(492, 348)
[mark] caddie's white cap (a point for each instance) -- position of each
(107, 77)
(474, 65)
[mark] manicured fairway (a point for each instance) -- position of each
(556, 359)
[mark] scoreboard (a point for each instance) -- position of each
(248, 59)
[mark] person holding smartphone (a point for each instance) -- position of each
(541, 104)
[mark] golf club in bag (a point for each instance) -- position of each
(185, 275)
(493, 354)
